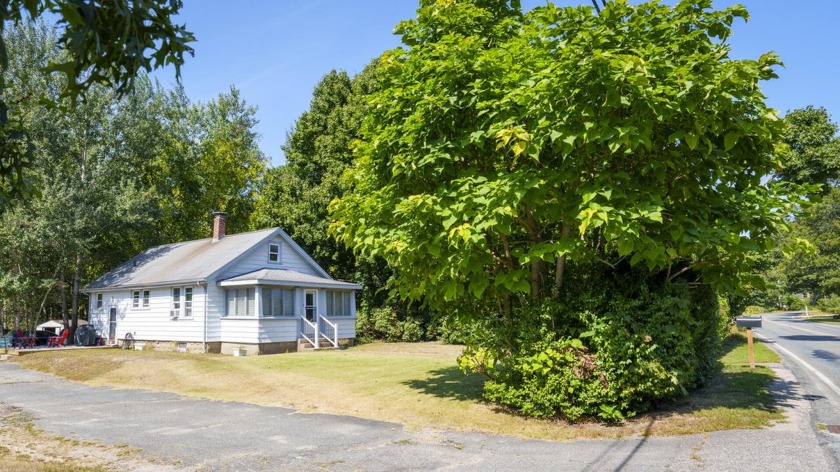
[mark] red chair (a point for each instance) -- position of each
(58, 341)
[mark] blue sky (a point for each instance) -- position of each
(276, 51)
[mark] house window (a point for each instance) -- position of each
(278, 302)
(274, 252)
(240, 302)
(176, 303)
(98, 301)
(140, 298)
(188, 301)
(338, 303)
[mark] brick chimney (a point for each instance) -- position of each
(218, 225)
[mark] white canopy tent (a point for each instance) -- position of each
(55, 326)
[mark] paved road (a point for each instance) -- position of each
(812, 351)
(210, 435)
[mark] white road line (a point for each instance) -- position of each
(808, 366)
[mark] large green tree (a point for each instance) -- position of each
(116, 175)
(318, 151)
(812, 148)
(107, 42)
(812, 151)
(504, 144)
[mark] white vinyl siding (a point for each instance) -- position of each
(290, 259)
(278, 301)
(338, 303)
(241, 302)
(153, 323)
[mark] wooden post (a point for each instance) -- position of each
(750, 347)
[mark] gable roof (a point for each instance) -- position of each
(184, 262)
(285, 277)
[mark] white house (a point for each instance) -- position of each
(258, 291)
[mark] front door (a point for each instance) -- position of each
(112, 327)
(310, 304)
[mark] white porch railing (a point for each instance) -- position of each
(321, 329)
(309, 332)
(328, 330)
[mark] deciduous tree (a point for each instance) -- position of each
(107, 42)
(503, 144)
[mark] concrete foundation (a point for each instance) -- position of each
(226, 348)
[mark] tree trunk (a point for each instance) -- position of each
(533, 228)
(77, 275)
(65, 315)
(17, 312)
(560, 270)
(536, 279)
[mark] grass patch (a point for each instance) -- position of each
(416, 384)
(830, 319)
(737, 353)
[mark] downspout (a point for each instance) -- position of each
(204, 344)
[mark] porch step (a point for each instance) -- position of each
(304, 346)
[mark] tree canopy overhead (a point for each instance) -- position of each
(812, 147)
(108, 42)
(503, 144)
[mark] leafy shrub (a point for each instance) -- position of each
(829, 304)
(608, 352)
(755, 310)
(384, 324)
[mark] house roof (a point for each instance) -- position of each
(184, 262)
(285, 277)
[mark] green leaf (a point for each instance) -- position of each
(730, 140)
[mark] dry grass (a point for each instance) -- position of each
(416, 384)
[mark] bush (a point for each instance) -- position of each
(608, 352)
(384, 324)
(755, 310)
(829, 304)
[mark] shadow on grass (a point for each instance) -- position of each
(450, 382)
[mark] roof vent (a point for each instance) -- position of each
(218, 224)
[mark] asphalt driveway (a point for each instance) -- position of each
(198, 434)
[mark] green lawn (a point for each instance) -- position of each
(416, 384)
(831, 319)
(736, 352)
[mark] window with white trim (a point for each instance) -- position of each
(99, 301)
(274, 253)
(140, 298)
(240, 302)
(278, 301)
(188, 302)
(175, 311)
(338, 303)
